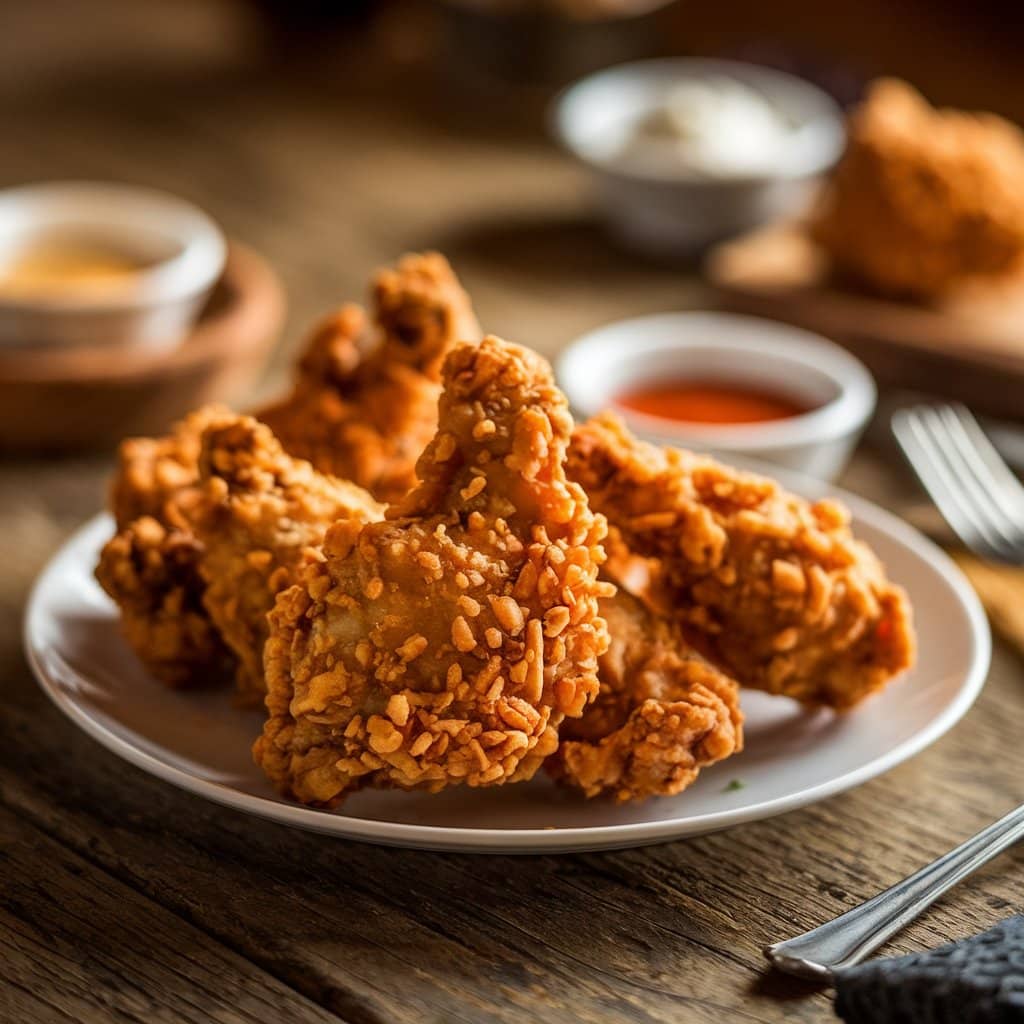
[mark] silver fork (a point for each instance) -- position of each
(852, 936)
(983, 502)
(971, 485)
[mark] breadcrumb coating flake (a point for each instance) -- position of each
(156, 476)
(662, 714)
(260, 517)
(365, 416)
(151, 572)
(362, 409)
(924, 200)
(151, 566)
(773, 589)
(416, 654)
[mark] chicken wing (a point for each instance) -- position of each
(662, 713)
(260, 517)
(445, 644)
(151, 571)
(366, 416)
(156, 476)
(774, 589)
(924, 200)
(151, 565)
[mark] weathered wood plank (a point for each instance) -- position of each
(77, 945)
(631, 936)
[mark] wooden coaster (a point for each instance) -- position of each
(66, 399)
(969, 347)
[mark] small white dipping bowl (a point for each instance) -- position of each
(182, 252)
(669, 212)
(722, 348)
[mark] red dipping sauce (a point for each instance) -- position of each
(695, 402)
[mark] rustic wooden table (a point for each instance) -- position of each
(123, 899)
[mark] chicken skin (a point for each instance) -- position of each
(366, 416)
(662, 713)
(774, 589)
(924, 200)
(156, 476)
(447, 643)
(151, 565)
(261, 516)
(367, 419)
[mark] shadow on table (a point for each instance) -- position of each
(573, 246)
(784, 988)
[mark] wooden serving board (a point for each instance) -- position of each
(969, 347)
(55, 400)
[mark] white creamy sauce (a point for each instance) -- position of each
(708, 127)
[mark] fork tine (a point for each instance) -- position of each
(993, 461)
(992, 494)
(973, 489)
(919, 448)
(972, 495)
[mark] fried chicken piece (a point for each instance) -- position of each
(261, 516)
(366, 416)
(774, 589)
(924, 200)
(662, 713)
(156, 476)
(150, 566)
(446, 644)
(369, 419)
(150, 570)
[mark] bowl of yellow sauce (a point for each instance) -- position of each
(89, 263)
(68, 265)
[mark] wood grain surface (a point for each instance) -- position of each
(123, 899)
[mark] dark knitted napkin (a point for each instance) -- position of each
(975, 981)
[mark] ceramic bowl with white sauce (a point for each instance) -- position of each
(172, 255)
(836, 389)
(685, 152)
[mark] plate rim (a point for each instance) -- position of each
(540, 841)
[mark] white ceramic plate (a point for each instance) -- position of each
(792, 757)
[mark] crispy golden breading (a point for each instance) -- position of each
(776, 589)
(422, 311)
(366, 416)
(261, 516)
(924, 200)
(460, 635)
(150, 566)
(156, 476)
(662, 713)
(446, 644)
(151, 572)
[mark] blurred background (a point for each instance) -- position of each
(332, 136)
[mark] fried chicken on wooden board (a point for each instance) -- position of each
(447, 643)
(661, 715)
(151, 565)
(363, 409)
(924, 200)
(773, 588)
(260, 517)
